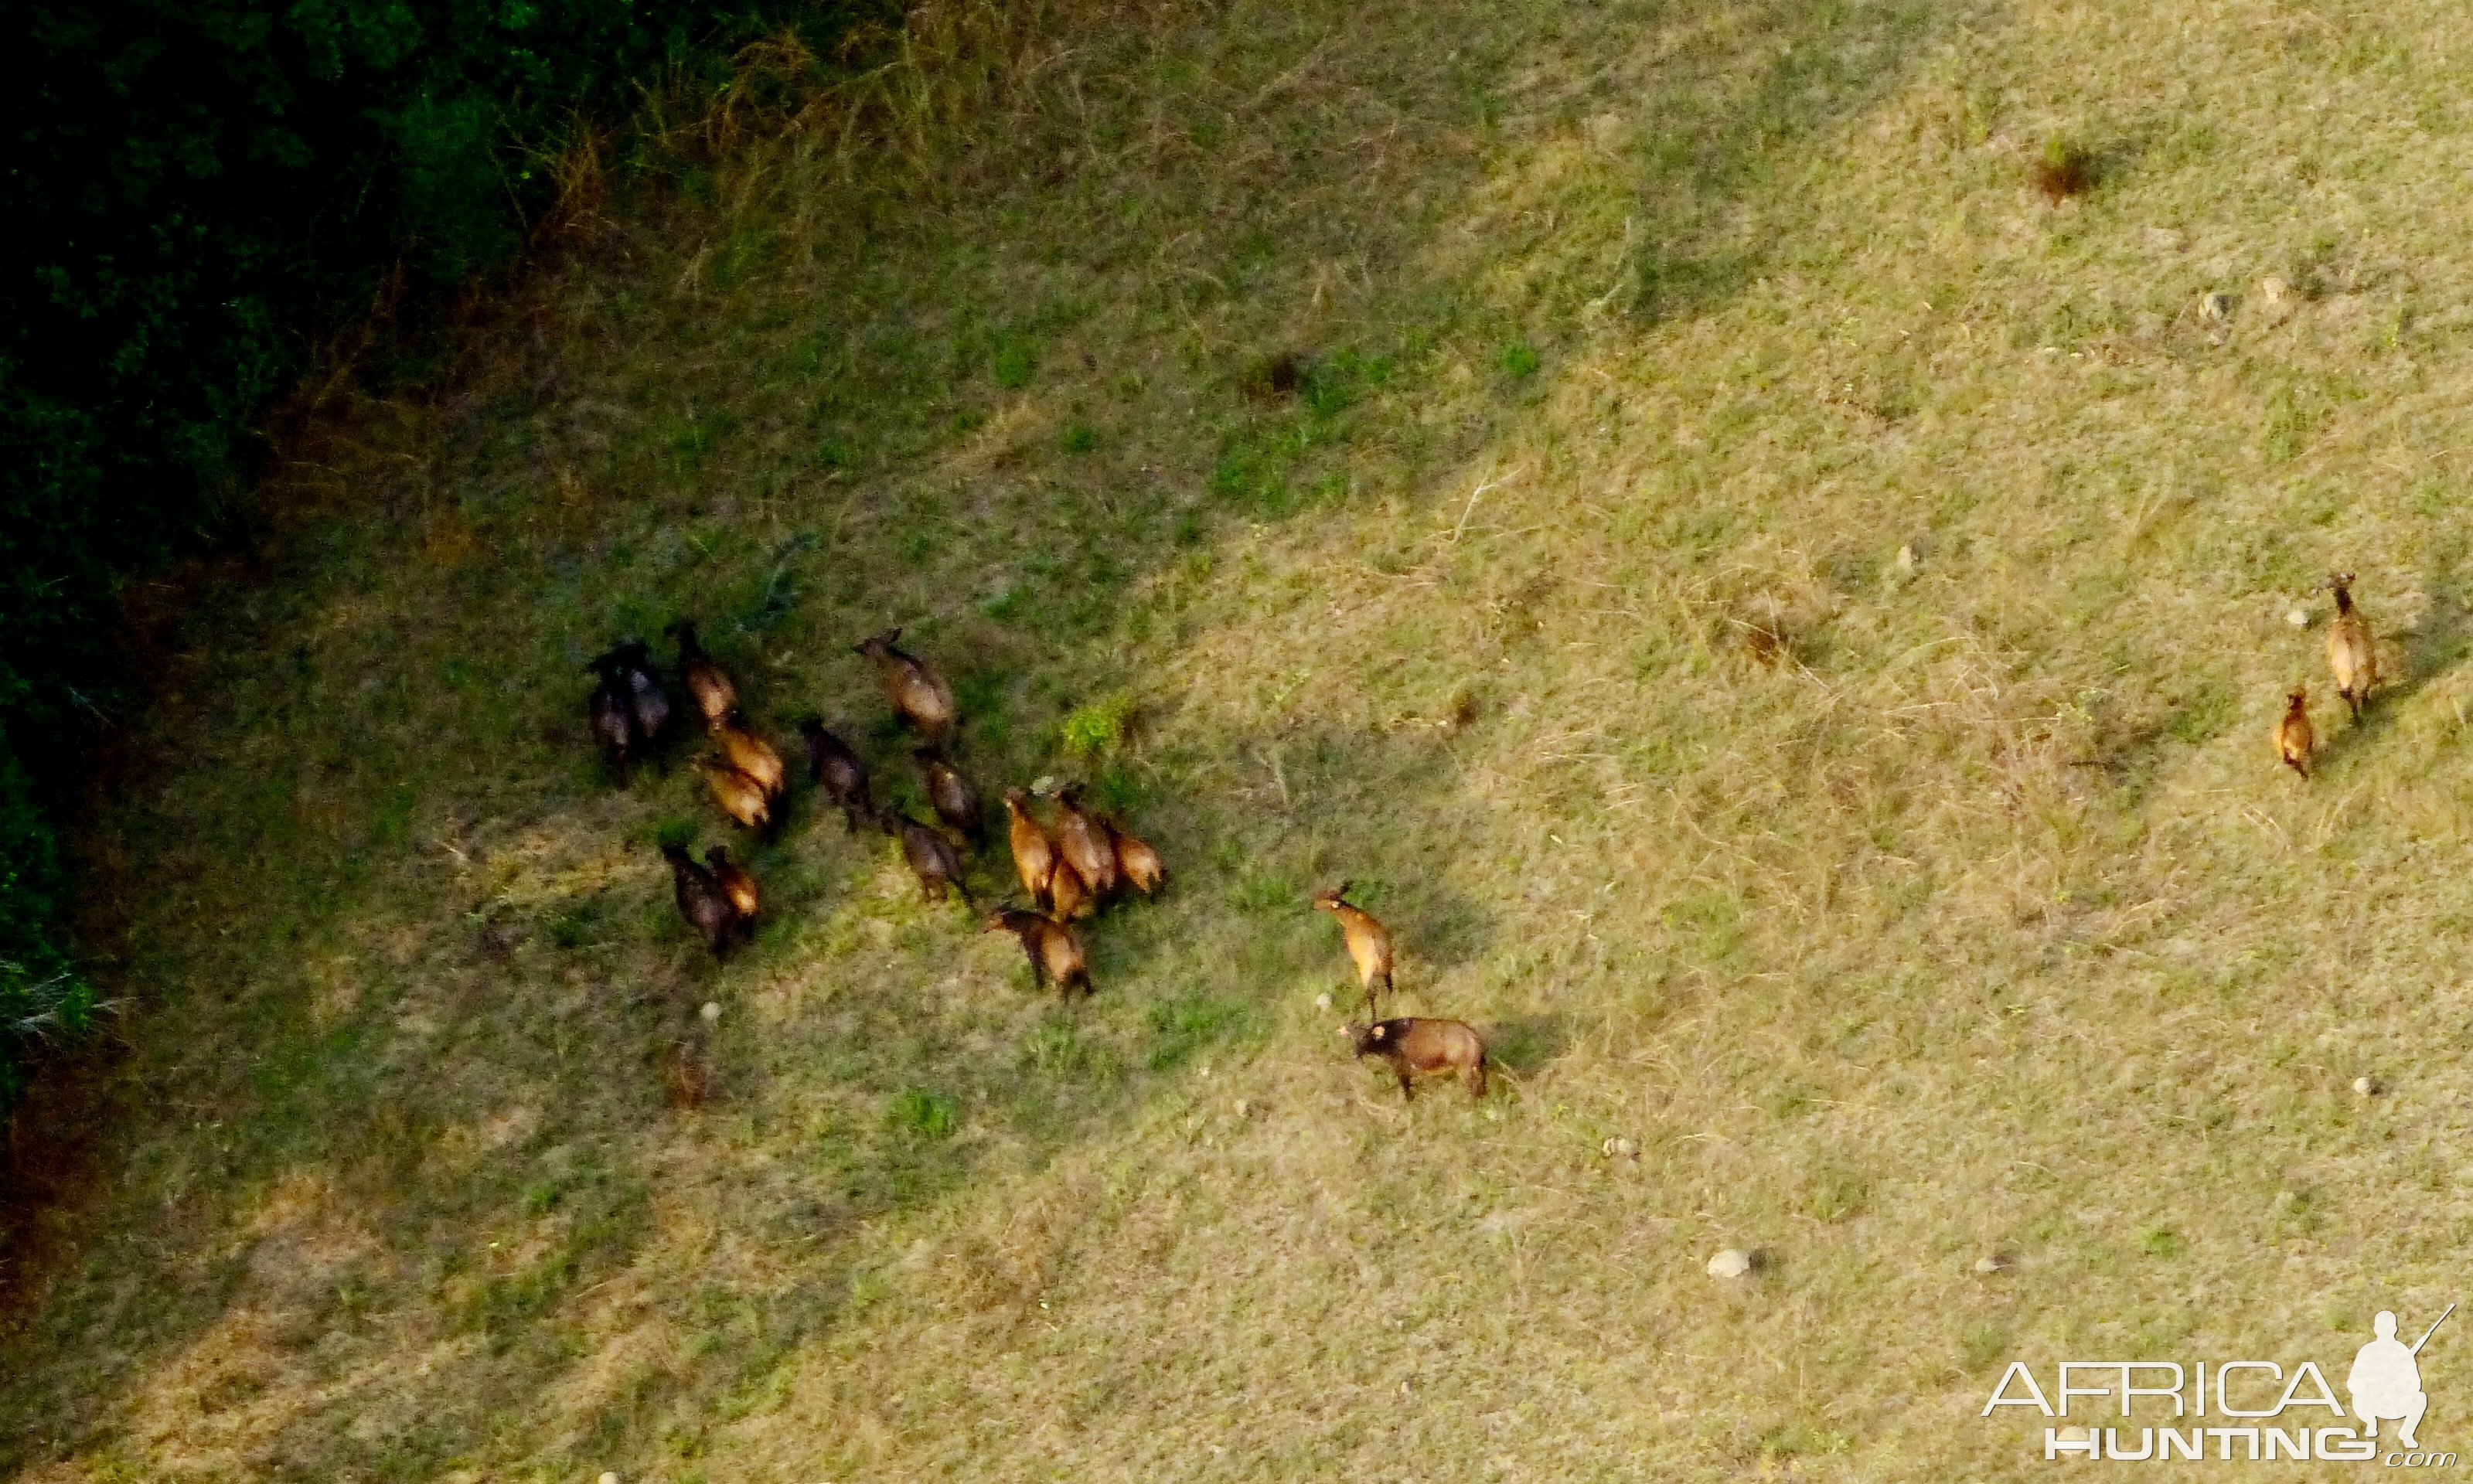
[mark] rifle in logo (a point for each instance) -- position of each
(2433, 1329)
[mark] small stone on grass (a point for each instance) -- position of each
(1731, 1262)
(711, 1012)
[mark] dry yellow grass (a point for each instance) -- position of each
(1779, 617)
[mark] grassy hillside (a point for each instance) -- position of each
(1782, 618)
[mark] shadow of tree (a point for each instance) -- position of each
(1726, 114)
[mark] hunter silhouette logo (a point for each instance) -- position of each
(2265, 1411)
(2385, 1379)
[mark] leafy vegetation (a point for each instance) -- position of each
(41, 995)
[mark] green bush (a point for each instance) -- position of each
(1097, 727)
(196, 191)
(924, 1113)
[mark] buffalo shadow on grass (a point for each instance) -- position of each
(1524, 1044)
